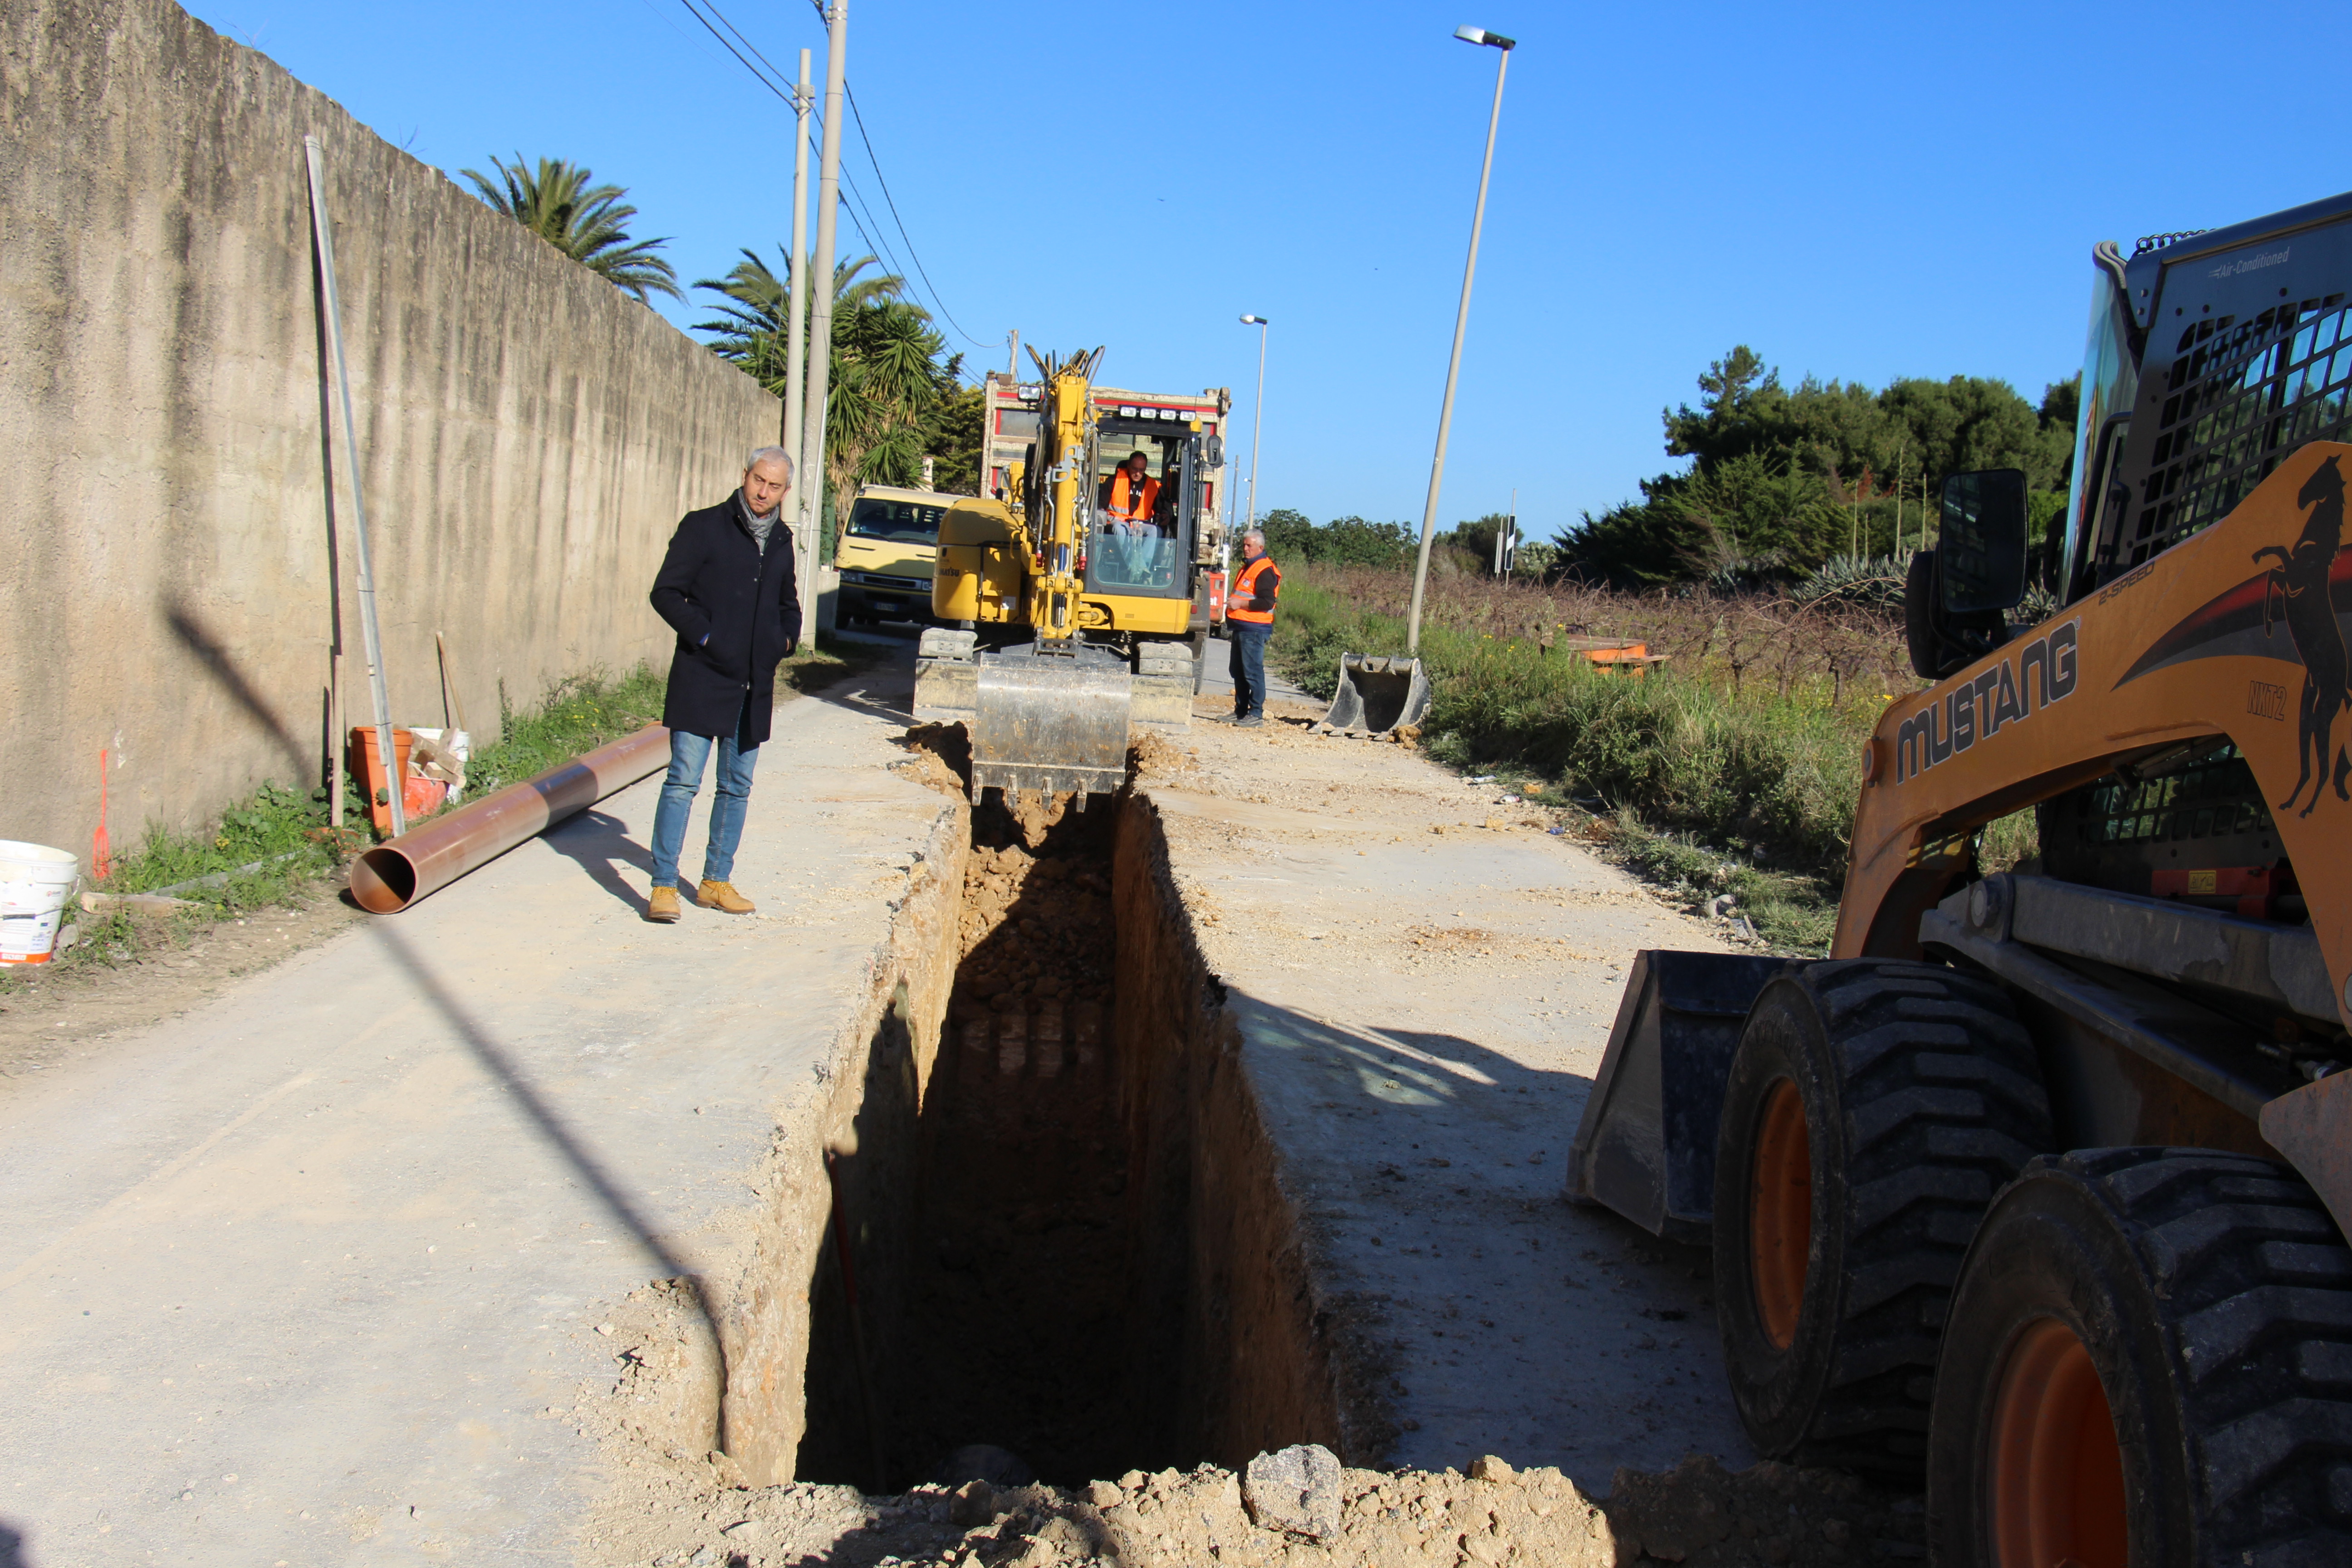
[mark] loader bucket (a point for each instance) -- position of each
(1055, 723)
(1646, 1145)
(1376, 694)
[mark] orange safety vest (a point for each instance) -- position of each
(1245, 589)
(1118, 497)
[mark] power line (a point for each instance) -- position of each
(789, 97)
(867, 229)
(857, 116)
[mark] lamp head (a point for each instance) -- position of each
(1253, 321)
(1481, 35)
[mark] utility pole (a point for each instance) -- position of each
(797, 339)
(1257, 412)
(1013, 355)
(1461, 324)
(809, 474)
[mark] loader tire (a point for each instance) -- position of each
(1873, 1111)
(2148, 1364)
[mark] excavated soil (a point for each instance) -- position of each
(1697, 1515)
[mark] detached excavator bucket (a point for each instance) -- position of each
(1646, 1145)
(1376, 694)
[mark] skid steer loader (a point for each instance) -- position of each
(2038, 1187)
(1069, 628)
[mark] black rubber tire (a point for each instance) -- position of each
(2214, 1295)
(1922, 1096)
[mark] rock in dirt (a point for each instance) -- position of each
(1296, 1489)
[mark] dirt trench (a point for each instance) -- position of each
(1075, 1260)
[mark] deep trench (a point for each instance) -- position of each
(1009, 1292)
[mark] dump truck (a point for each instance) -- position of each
(1075, 607)
(2037, 1187)
(885, 553)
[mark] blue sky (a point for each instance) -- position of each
(1860, 192)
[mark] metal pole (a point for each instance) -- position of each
(1453, 366)
(809, 476)
(796, 311)
(1257, 417)
(324, 233)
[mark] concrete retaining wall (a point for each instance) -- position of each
(176, 570)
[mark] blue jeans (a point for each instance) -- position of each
(687, 753)
(1249, 665)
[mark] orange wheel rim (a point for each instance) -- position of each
(2057, 1472)
(1780, 1228)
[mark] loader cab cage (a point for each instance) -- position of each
(2246, 354)
(1151, 561)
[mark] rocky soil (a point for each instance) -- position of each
(1298, 1508)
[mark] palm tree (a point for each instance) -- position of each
(885, 382)
(587, 223)
(756, 315)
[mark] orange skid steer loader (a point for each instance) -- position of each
(2038, 1187)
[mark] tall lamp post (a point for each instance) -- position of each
(1461, 324)
(1257, 411)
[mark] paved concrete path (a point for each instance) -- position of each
(304, 1276)
(1424, 981)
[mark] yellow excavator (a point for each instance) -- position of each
(1066, 622)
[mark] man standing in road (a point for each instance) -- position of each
(726, 587)
(1249, 616)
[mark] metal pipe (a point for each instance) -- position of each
(323, 232)
(399, 871)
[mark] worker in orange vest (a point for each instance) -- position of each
(1249, 616)
(1130, 496)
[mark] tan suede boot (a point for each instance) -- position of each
(723, 895)
(664, 907)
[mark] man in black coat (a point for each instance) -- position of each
(726, 587)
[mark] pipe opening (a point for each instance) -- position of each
(383, 881)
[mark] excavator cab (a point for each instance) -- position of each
(1145, 552)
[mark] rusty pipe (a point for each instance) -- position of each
(393, 875)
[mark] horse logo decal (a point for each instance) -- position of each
(2297, 591)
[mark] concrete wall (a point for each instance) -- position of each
(173, 569)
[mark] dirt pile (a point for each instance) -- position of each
(1298, 1509)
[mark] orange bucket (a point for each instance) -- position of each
(418, 797)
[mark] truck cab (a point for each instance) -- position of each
(888, 546)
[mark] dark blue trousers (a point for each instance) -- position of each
(1249, 665)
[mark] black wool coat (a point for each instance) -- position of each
(737, 614)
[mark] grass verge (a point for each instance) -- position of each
(276, 846)
(1706, 783)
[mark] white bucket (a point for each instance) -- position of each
(35, 881)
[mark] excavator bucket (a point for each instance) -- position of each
(1646, 1145)
(1376, 694)
(1049, 718)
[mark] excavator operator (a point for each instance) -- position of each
(1129, 497)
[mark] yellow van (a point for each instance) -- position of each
(887, 552)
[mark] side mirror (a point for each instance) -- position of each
(1215, 451)
(1980, 557)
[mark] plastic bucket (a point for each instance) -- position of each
(35, 882)
(418, 797)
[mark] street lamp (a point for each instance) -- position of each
(1258, 410)
(1460, 323)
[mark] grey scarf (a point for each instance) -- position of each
(760, 527)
